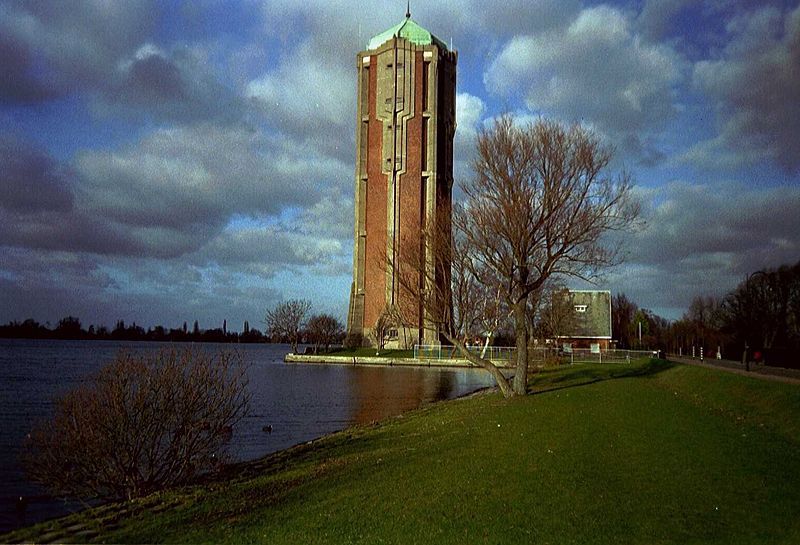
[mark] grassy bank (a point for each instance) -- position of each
(652, 453)
(366, 352)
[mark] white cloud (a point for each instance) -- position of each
(596, 69)
(470, 111)
(307, 94)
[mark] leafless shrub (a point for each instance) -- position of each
(142, 423)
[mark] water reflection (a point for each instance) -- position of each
(300, 402)
(380, 392)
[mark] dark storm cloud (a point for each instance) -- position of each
(30, 180)
(71, 45)
(169, 194)
(78, 231)
(41, 209)
(51, 285)
(179, 85)
(710, 224)
(155, 78)
(104, 52)
(755, 84)
(705, 239)
(18, 82)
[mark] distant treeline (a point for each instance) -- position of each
(71, 328)
(759, 320)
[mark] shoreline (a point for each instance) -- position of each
(230, 472)
(383, 361)
(326, 489)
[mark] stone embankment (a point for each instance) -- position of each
(382, 361)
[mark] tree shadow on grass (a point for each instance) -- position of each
(581, 375)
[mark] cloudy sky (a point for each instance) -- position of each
(170, 161)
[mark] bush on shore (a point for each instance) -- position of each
(142, 423)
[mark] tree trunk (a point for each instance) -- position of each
(521, 332)
(499, 377)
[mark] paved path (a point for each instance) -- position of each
(778, 374)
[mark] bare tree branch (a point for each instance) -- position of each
(141, 424)
(287, 320)
(539, 205)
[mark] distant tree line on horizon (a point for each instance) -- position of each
(71, 328)
(318, 330)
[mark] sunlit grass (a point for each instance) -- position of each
(367, 351)
(644, 453)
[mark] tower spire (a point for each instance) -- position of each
(408, 9)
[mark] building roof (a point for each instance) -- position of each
(409, 30)
(592, 314)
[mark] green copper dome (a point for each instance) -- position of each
(409, 30)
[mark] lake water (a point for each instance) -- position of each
(301, 402)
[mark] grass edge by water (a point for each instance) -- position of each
(300, 459)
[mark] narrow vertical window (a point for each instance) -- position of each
(364, 91)
(363, 147)
(425, 68)
(424, 150)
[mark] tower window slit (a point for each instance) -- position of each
(425, 68)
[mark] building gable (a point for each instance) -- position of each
(591, 314)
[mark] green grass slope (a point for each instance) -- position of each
(652, 453)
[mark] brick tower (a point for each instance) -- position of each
(404, 173)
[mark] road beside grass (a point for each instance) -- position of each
(646, 453)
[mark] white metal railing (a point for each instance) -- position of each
(587, 355)
(446, 352)
(537, 354)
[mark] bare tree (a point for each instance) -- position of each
(384, 324)
(461, 309)
(323, 330)
(763, 314)
(141, 424)
(623, 311)
(287, 320)
(538, 208)
(556, 315)
(539, 205)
